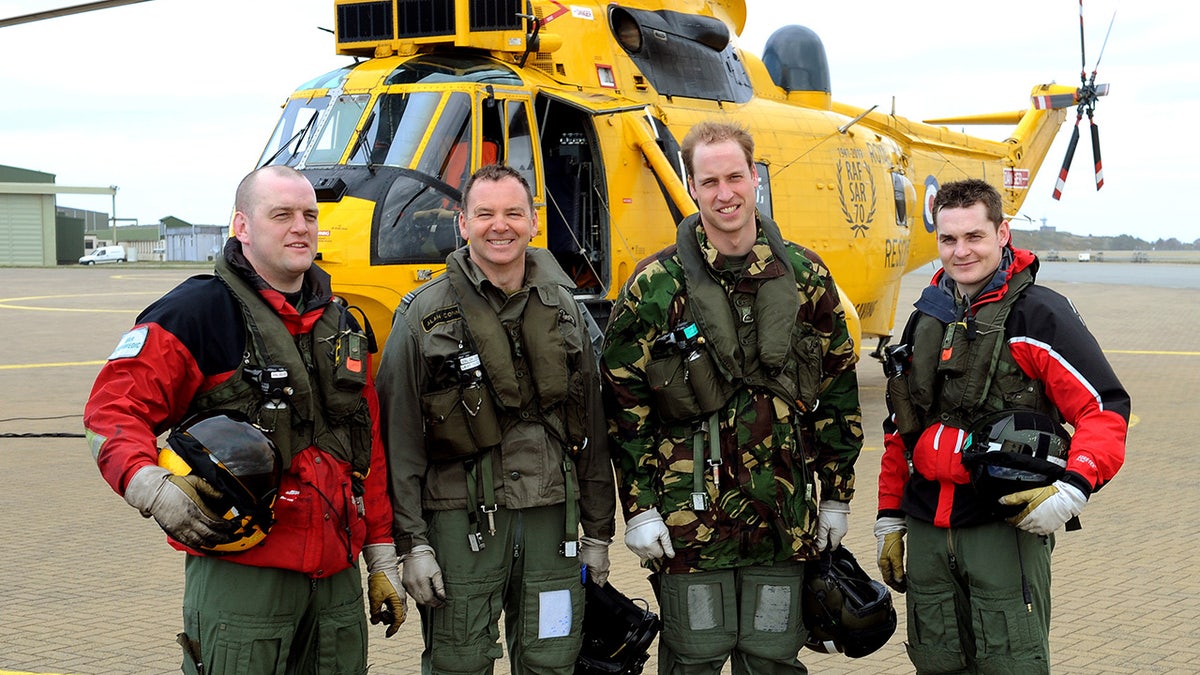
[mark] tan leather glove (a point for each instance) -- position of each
(386, 601)
(889, 533)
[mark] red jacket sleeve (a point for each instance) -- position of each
(135, 398)
(377, 502)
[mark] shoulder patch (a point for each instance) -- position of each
(131, 343)
(440, 316)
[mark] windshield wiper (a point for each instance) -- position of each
(294, 139)
(361, 142)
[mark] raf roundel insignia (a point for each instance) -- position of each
(931, 189)
(131, 343)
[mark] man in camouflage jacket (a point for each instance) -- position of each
(733, 406)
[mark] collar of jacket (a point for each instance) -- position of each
(767, 275)
(317, 288)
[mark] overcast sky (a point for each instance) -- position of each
(173, 100)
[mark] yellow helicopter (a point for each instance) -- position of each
(589, 99)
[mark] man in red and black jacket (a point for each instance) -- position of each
(201, 350)
(985, 339)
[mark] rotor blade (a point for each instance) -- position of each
(1062, 174)
(1096, 153)
(1082, 52)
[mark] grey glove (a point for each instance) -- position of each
(833, 521)
(647, 536)
(1046, 508)
(386, 601)
(594, 553)
(179, 504)
(423, 577)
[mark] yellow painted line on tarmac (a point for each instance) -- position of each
(64, 364)
(1143, 352)
(6, 303)
(21, 672)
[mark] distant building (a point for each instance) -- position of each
(183, 241)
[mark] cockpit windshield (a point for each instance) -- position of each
(294, 126)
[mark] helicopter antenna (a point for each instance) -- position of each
(842, 129)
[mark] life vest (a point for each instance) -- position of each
(323, 405)
(467, 414)
(747, 337)
(963, 370)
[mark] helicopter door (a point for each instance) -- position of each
(576, 214)
(507, 137)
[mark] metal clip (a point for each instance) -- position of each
(475, 539)
(490, 511)
(569, 549)
(699, 501)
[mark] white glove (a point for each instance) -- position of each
(178, 504)
(1046, 508)
(647, 536)
(889, 553)
(386, 601)
(423, 577)
(594, 553)
(833, 521)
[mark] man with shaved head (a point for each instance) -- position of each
(260, 349)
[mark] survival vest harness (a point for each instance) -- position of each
(465, 422)
(963, 370)
(304, 390)
(749, 336)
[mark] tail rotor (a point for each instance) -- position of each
(1084, 98)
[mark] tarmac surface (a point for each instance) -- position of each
(87, 587)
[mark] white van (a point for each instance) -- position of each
(104, 254)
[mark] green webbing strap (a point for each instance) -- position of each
(708, 429)
(474, 536)
(488, 504)
(570, 544)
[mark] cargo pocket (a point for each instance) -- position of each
(1008, 637)
(249, 644)
(466, 632)
(934, 645)
(342, 640)
(699, 615)
(772, 626)
(551, 619)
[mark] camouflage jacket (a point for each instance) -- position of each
(773, 456)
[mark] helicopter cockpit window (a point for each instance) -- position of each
(439, 69)
(338, 129)
(400, 122)
(447, 155)
(520, 142)
(763, 193)
(293, 131)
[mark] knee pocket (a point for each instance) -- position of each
(699, 614)
(771, 623)
(551, 619)
(465, 634)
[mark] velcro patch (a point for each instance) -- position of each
(131, 343)
(440, 316)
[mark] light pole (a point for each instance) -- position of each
(114, 189)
